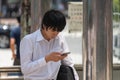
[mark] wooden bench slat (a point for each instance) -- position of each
(12, 78)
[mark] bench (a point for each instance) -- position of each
(11, 73)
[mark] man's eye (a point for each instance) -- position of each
(53, 30)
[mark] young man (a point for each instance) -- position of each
(15, 43)
(41, 51)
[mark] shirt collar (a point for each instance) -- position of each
(40, 36)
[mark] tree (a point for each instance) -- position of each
(97, 39)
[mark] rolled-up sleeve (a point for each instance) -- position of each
(26, 53)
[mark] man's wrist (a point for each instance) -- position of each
(47, 58)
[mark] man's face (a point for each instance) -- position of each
(49, 33)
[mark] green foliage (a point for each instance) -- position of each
(116, 5)
(116, 9)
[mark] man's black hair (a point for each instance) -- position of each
(54, 19)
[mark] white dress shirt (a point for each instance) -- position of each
(34, 48)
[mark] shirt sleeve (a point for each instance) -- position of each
(12, 34)
(68, 60)
(27, 64)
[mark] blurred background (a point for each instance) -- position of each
(31, 12)
(34, 9)
(27, 10)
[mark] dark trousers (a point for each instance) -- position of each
(16, 61)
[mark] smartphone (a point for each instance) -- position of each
(65, 53)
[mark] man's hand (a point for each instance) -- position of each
(13, 55)
(54, 56)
